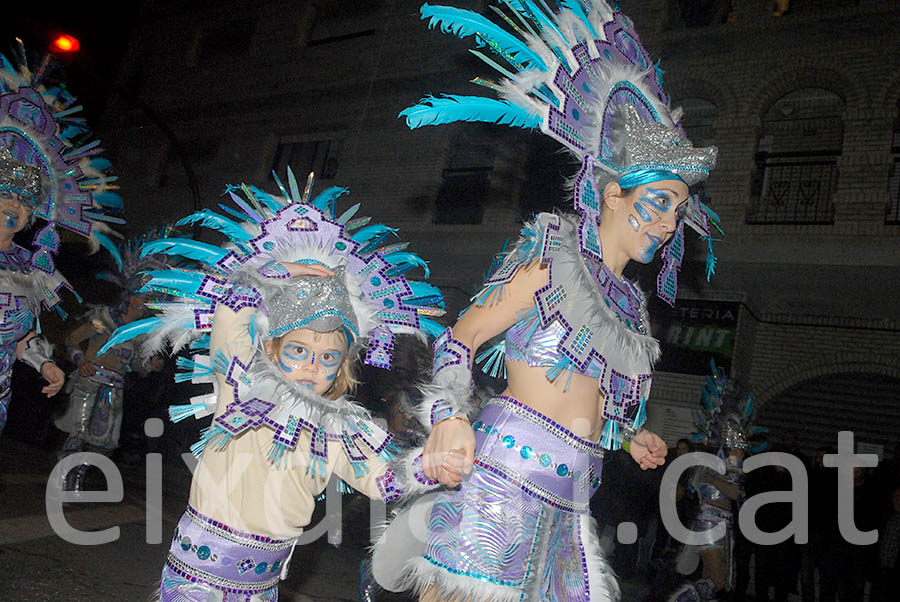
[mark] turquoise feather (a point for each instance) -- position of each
(575, 8)
(451, 108)
(369, 232)
(168, 281)
(464, 23)
(109, 199)
(266, 199)
(430, 327)
(213, 220)
(185, 247)
(128, 332)
(326, 200)
(406, 261)
(110, 246)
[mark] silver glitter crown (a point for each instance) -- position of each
(18, 176)
(319, 303)
(638, 144)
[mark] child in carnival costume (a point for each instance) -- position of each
(93, 417)
(284, 310)
(50, 169)
(724, 422)
(577, 349)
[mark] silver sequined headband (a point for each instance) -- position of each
(319, 303)
(18, 176)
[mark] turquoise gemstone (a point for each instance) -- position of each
(544, 460)
(576, 115)
(340, 246)
(562, 470)
(509, 441)
(477, 425)
(595, 483)
(388, 303)
(584, 87)
(185, 543)
(261, 568)
(527, 452)
(487, 429)
(375, 280)
(203, 552)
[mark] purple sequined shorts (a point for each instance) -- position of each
(521, 520)
(208, 556)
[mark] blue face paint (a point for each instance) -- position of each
(284, 367)
(11, 221)
(643, 212)
(649, 250)
(295, 352)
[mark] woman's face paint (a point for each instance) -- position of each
(311, 358)
(658, 207)
(16, 209)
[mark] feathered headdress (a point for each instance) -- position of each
(266, 230)
(725, 416)
(583, 78)
(48, 153)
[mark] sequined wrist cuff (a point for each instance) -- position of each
(37, 351)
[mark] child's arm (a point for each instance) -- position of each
(378, 482)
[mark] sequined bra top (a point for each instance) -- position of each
(527, 341)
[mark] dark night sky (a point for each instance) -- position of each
(101, 27)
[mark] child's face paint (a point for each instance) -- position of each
(657, 209)
(16, 209)
(311, 358)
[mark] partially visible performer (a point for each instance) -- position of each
(578, 350)
(93, 417)
(724, 424)
(49, 169)
(285, 309)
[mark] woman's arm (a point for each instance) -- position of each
(35, 351)
(450, 448)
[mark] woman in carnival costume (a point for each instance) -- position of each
(519, 527)
(724, 423)
(284, 309)
(49, 168)
(93, 417)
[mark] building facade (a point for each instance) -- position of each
(804, 108)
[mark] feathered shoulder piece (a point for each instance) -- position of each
(264, 231)
(601, 320)
(48, 154)
(262, 397)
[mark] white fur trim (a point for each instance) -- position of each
(602, 581)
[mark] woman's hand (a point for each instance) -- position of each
(307, 269)
(54, 377)
(648, 449)
(449, 452)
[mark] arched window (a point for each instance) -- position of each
(893, 208)
(796, 159)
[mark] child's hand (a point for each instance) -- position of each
(307, 269)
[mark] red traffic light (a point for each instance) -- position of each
(66, 43)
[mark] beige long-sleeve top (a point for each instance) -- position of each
(238, 485)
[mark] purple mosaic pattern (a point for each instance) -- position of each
(449, 352)
(570, 122)
(388, 487)
(587, 204)
(667, 279)
(621, 392)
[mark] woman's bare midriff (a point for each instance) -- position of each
(573, 400)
